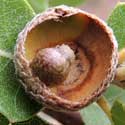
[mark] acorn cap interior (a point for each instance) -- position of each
(95, 63)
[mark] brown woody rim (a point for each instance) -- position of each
(39, 90)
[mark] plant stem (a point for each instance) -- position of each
(103, 103)
(47, 118)
(66, 118)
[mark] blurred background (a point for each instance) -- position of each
(101, 8)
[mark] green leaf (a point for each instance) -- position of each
(38, 5)
(3, 120)
(93, 115)
(113, 93)
(117, 22)
(65, 2)
(33, 121)
(14, 14)
(14, 103)
(118, 113)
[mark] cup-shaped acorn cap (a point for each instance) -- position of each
(92, 70)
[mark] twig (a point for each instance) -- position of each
(103, 103)
(66, 118)
(47, 118)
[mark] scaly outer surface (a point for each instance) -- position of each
(38, 90)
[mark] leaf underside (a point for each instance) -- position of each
(117, 22)
(14, 103)
(113, 93)
(93, 115)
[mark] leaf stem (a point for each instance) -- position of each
(103, 103)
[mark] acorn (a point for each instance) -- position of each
(52, 65)
(66, 58)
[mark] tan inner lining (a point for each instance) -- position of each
(50, 33)
(96, 54)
